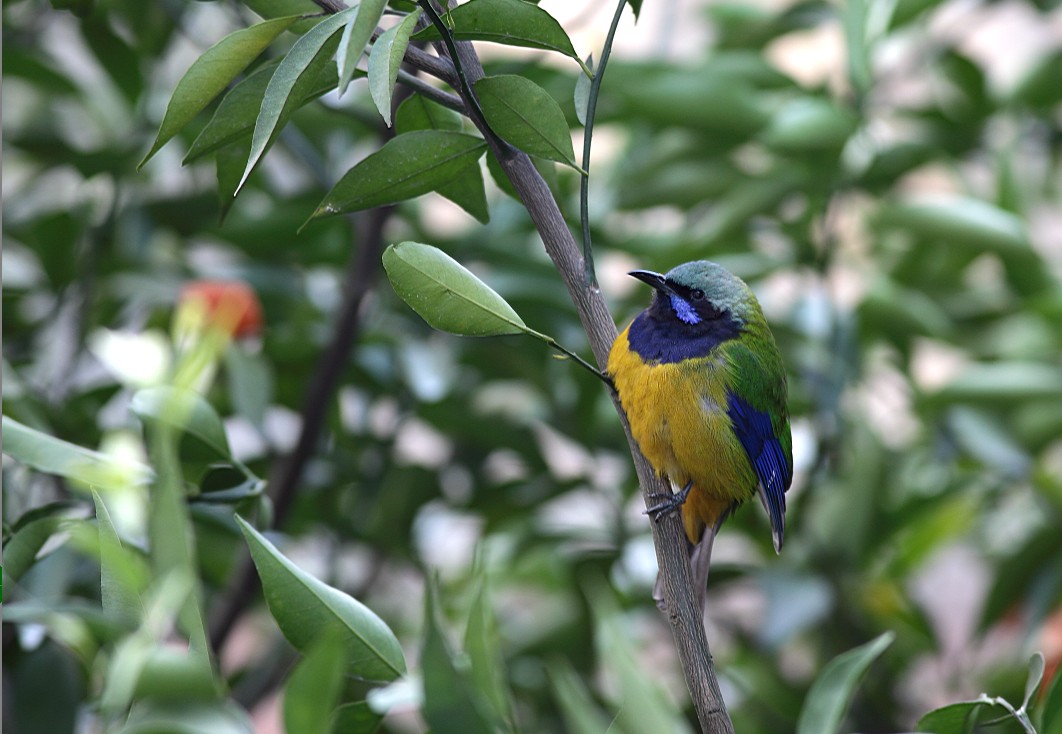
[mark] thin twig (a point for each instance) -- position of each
(446, 99)
(588, 133)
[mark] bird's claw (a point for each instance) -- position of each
(668, 503)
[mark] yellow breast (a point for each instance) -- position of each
(678, 415)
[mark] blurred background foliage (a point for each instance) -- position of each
(887, 176)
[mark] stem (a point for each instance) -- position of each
(434, 94)
(588, 133)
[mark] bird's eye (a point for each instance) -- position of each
(697, 295)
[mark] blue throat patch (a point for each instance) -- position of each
(661, 335)
(684, 310)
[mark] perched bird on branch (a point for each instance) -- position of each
(704, 388)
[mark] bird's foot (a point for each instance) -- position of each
(669, 503)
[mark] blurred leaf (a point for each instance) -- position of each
(795, 603)
(385, 59)
(511, 22)
(184, 410)
(46, 689)
(120, 580)
(809, 125)
(229, 163)
(355, 37)
(305, 607)
(1036, 563)
(116, 56)
(250, 382)
(831, 693)
(1051, 715)
(53, 456)
(452, 703)
(405, 167)
(356, 718)
(581, 714)
(642, 705)
(314, 687)
(1039, 86)
(958, 222)
(956, 718)
(170, 675)
(526, 116)
(20, 550)
(1001, 383)
(158, 718)
(1036, 677)
(212, 72)
(295, 75)
(484, 653)
(986, 441)
(445, 294)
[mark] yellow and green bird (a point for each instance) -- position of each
(704, 388)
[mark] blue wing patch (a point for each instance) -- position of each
(756, 434)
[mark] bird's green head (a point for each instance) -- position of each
(699, 293)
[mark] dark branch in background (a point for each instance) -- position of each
(683, 613)
(330, 6)
(362, 272)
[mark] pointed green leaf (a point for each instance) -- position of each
(314, 687)
(185, 410)
(120, 577)
(582, 91)
(212, 72)
(385, 59)
(484, 653)
(955, 718)
(356, 718)
(405, 167)
(305, 607)
(446, 294)
(282, 94)
(511, 22)
(236, 115)
(525, 115)
(452, 704)
(356, 36)
(51, 455)
(1036, 676)
(832, 691)
(229, 163)
(581, 714)
(420, 113)
(467, 191)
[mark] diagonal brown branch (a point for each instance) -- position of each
(683, 613)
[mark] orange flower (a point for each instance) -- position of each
(229, 305)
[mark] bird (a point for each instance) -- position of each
(703, 385)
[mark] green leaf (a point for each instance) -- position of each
(417, 112)
(465, 189)
(484, 653)
(1036, 677)
(30, 535)
(120, 580)
(445, 294)
(184, 410)
(1002, 383)
(229, 163)
(511, 22)
(582, 91)
(356, 36)
(250, 381)
(959, 222)
(956, 718)
(581, 714)
(284, 93)
(314, 687)
(212, 72)
(1051, 715)
(452, 704)
(305, 607)
(356, 718)
(51, 455)
(525, 115)
(236, 115)
(832, 691)
(405, 167)
(384, 61)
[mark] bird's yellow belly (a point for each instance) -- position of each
(678, 415)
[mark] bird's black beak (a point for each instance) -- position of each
(656, 280)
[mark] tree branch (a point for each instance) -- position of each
(683, 613)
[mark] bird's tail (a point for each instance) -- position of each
(700, 562)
